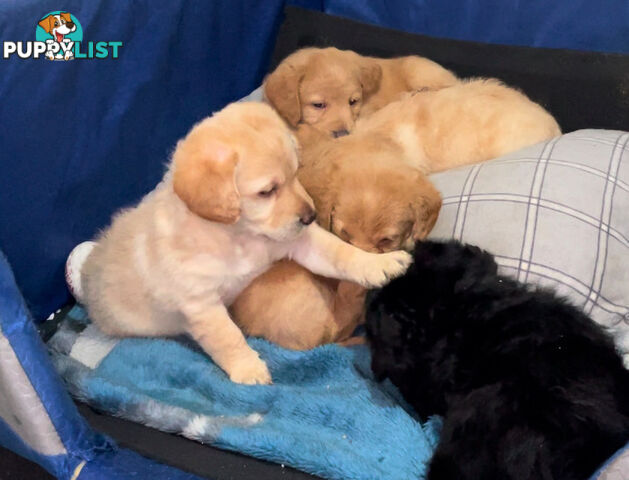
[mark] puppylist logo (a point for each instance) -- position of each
(59, 36)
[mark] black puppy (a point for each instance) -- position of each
(529, 386)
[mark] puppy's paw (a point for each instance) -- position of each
(384, 267)
(250, 371)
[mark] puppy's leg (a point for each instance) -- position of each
(325, 254)
(213, 329)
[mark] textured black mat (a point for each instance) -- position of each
(202, 460)
(14, 467)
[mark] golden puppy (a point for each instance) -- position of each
(365, 193)
(367, 196)
(330, 88)
(470, 122)
(297, 309)
(229, 206)
(364, 186)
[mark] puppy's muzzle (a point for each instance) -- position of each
(307, 216)
(339, 133)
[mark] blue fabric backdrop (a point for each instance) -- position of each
(593, 25)
(104, 459)
(80, 139)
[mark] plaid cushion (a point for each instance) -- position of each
(555, 214)
(616, 468)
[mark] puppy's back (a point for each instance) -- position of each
(482, 119)
(469, 122)
(406, 74)
(513, 369)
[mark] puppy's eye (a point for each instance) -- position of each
(385, 242)
(56, 24)
(353, 101)
(345, 235)
(319, 105)
(267, 192)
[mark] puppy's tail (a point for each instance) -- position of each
(74, 265)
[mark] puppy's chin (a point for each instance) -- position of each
(286, 233)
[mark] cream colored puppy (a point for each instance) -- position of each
(470, 122)
(229, 206)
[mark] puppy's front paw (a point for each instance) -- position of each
(384, 267)
(250, 371)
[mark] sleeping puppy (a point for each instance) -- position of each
(229, 206)
(529, 386)
(330, 88)
(471, 122)
(379, 204)
(366, 194)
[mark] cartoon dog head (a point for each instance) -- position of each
(58, 25)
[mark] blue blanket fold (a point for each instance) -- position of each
(324, 413)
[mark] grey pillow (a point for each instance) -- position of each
(554, 214)
(616, 468)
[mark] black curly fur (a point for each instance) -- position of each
(529, 386)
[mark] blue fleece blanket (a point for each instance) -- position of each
(324, 413)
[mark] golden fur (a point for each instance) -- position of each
(330, 88)
(470, 122)
(367, 196)
(229, 206)
(369, 189)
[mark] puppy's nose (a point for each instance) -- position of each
(308, 216)
(339, 133)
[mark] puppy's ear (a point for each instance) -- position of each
(281, 87)
(204, 180)
(476, 264)
(47, 23)
(66, 16)
(324, 205)
(323, 197)
(370, 76)
(320, 183)
(427, 205)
